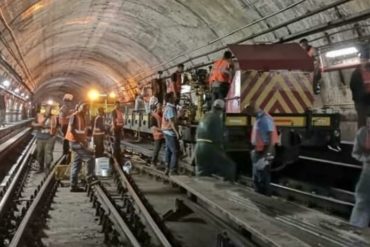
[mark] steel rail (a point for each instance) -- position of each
(114, 216)
(12, 183)
(148, 217)
(46, 185)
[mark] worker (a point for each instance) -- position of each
(117, 126)
(360, 87)
(158, 137)
(175, 83)
(360, 216)
(263, 139)
(77, 136)
(221, 76)
(312, 52)
(171, 134)
(210, 156)
(45, 130)
(65, 113)
(99, 133)
(2, 108)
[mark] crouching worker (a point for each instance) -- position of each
(77, 135)
(210, 157)
(46, 128)
(360, 216)
(264, 137)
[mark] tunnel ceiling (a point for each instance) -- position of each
(74, 45)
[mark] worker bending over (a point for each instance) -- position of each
(263, 138)
(156, 122)
(360, 216)
(221, 76)
(77, 136)
(99, 133)
(210, 156)
(171, 134)
(46, 129)
(117, 126)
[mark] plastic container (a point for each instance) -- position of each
(102, 167)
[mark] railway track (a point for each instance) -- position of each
(330, 200)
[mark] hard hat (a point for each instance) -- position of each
(68, 97)
(219, 103)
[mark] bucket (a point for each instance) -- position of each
(102, 167)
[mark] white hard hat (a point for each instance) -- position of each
(219, 103)
(68, 96)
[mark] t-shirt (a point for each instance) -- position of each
(265, 126)
(169, 113)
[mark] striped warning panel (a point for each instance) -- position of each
(277, 92)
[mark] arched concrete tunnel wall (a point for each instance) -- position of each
(69, 46)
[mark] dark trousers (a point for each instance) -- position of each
(117, 142)
(219, 91)
(65, 141)
(157, 149)
(172, 152)
(362, 110)
(261, 178)
(99, 145)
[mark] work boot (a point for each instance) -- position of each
(166, 171)
(76, 189)
(173, 173)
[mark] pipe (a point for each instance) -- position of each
(298, 18)
(23, 63)
(232, 32)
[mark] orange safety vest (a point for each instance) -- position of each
(52, 128)
(64, 120)
(366, 79)
(218, 71)
(157, 135)
(97, 131)
(119, 119)
(256, 137)
(80, 130)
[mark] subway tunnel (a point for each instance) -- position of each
(109, 52)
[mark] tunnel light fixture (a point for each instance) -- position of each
(16, 90)
(50, 102)
(6, 83)
(341, 52)
(93, 94)
(112, 95)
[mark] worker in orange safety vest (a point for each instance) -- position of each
(221, 76)
(99, 133)
(65, 113)
(117, 127)
(175, 83)
(77, 136)
(156, 123)
(264, 137)
(46, 128)
(312, 52)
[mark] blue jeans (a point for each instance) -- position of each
(360, 216)
(172, 151)
(81, 154)
(261, 178)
